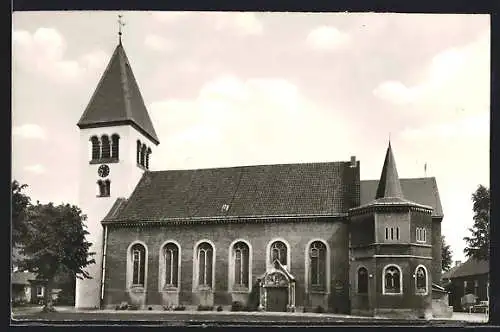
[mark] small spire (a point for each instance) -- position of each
(120, 25)
(389, 184)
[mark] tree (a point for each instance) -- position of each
(445, 255)
(478, 243)
(20, 202)
(55, 242)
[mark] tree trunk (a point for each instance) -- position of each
(48, 303)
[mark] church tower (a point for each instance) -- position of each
(117, 139)
(391, 252)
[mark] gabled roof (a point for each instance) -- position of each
(117, 99)
(470, 268)
(389, 185)
(423, 191)
(308, 189)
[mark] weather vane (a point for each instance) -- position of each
(120, 25)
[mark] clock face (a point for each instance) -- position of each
(103, 170)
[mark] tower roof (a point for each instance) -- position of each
(389, 184)
(117, 99)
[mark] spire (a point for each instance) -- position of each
(389, 184)
(120, 25)
(117, 99)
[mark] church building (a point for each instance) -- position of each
(286, 237)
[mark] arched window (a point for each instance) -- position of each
(205, 254)
(278, 252)
(241, 255)
(115, 146)
(139, 145)
(106, 148)
(171, 257)
(96, 148)
(102, 188)
(362, 280)
(421, 280)
(392, 283)
(148, 153)
(317, 265)
(143, 154)
(107, 188)
(138, 254)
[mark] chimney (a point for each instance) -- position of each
(353, 161)
(457, 263)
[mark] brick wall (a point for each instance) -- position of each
(297, 233)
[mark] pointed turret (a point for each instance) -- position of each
(389, 184)
(117, 99)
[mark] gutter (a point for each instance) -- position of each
(103, 272)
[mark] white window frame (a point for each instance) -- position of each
(163, 267)
(392, 233)
(400, 279)
(196, 266)
(308, 267)
(232, 266)
(130, 266)
(426, 280)
(421, 234)
(40, 291)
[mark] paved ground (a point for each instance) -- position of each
(67, 315)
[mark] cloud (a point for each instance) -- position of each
(327, 38)
(456, 78)
(37, 169)
(158, 43)
(33, 131)
(232, 119)
(43, 52)
(242, 23)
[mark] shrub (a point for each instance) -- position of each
(219, 308)
(122, 306)
(179, 308)
(237, 306)
(319, 309)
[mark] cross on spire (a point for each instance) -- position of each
(120, 25)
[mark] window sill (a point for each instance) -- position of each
(102, 196)
(240, 290)
(321, 292)
(393, 294)
(204, 289)
(170, 290)
(137, 289)
(104, 161)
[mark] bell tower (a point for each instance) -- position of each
(117, 139)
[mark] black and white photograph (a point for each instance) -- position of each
(198, 167)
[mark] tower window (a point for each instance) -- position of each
(115, 147)
(139, 145)
(148, 153)
(421, 280)
(392, 282)
(104, 188)
(96, 148)
(143, 155)
(421, 234)
(392, 233)
(106, 148)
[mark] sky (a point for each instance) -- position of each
(227, 89)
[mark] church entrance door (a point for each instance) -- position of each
(277, 299)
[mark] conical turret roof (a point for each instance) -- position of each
(389, 184)
(117, 99)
